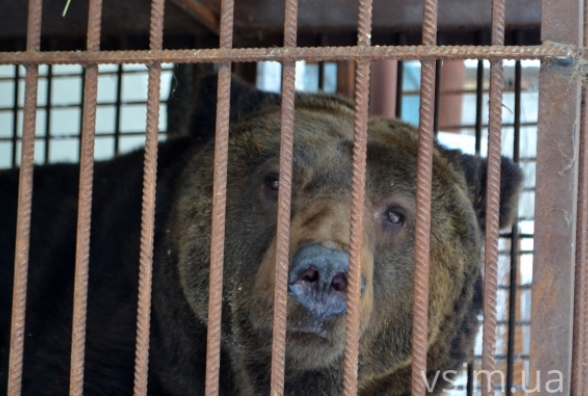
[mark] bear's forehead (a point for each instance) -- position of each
(323, 142)
(311, 126)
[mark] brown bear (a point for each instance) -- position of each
(319, 246)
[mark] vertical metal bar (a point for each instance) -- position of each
(283, 229)
(580, 350)
(323, 41)
(492, 203)
(76, 385)
(25, 197)
(118, 107)
(514, 243)
(423, 207)
(352, 317)
(15, 114)
(470, 383)
(479, 101)
(25, 192)
(399, 88)
(148, 207)
(478, 149)
(580, 290)
(83, 89)
(556, 199)
(284, 198)
(217, 241)
(48, 108)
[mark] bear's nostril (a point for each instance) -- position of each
(339, 283)
(310, 275)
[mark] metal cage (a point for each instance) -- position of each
(560, 273)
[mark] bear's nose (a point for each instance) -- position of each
(318, 279)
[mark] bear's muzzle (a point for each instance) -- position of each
(318, 280)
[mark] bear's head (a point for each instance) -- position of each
(319, 239)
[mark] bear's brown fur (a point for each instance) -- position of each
(320, 218)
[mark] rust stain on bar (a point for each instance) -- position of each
(25, 198)
(217, 238)
(310, 54)
(492, 203)
(353, 314)
(85, 206)
(148, 205)
(284, 200)
(423, 205)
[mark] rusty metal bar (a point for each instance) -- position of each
(76, 386)
(358, 198)
(580, 350)
(25, 198)
(315, 54)
(556, 199)
(148, 206)
(423, 204)
(25, 192)
(492, 203)
(218, 231)
(353, 314)
(219, 191)
(580, 341)
(283, 230)
(579, 357)
(284, 199)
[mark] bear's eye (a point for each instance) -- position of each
(272, 182)
(394, 217)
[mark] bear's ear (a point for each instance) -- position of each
(245, 100)
(511, 179)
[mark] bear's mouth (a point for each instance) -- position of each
(312, 329)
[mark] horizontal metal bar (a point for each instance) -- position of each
(314, 54)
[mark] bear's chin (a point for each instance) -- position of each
(314, 344)
(309, 351)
